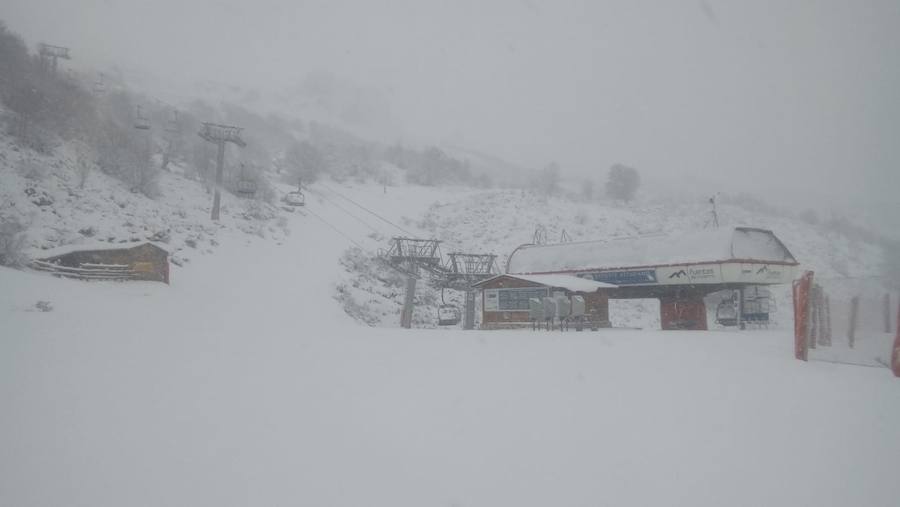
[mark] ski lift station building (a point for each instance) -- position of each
(506, 298)
(678, 270)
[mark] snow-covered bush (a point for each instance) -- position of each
(32, 169)
(12, 242)
(622, 182)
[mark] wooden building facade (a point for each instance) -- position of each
(147, 261)
(505, 298)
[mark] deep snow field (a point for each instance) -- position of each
(244, 382)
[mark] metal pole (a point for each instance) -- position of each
(408, 302)
(854, 315)
(895, 357)
(808, 339)
(470, 310)
(220, 162)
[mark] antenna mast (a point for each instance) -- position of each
(714, 219)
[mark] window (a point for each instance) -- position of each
(517, 299)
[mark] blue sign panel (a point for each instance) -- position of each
(640, 276)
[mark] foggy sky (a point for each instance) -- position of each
(784, 96)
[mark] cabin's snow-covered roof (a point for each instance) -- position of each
(568, 282)
(715, 245)
(93, 246)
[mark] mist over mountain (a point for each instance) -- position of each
(793, 102)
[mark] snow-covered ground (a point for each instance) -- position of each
(253, 380)
(245, 383)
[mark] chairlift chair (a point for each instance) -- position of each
(99, 85)
(726, 313)
(246, 187)
(172, 126)
(756, 311)
(141, 122)
(295, 198)
(448, 315)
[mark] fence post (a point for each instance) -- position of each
(895, 357)
(854, 314)
(801, 315)
(887, 312)
(814, 332)
(821, 336)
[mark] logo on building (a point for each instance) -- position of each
(704, 273)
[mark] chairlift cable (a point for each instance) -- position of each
(361, 247)
(335, 229)
(401, 229)
(338, 206)
(349, 238)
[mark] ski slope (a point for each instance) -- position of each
(246, 383)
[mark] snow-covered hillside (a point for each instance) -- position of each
(272, 371)
(244, 383)
(44, 194)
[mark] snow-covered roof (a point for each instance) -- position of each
(568, 282)
(93, 246)
(709, 246)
